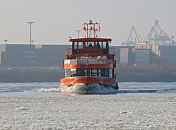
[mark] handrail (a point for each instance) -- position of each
(70, 51)
(90, 50)
(88, 61)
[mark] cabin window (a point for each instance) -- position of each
(73, 45)
(77, 46)
(97, 45)
(105, 72)
(98, 72)
(94, 72)
(81, 72)
(70, 72)
(84, 45)
(67, 73)
(80, 45)
(104, 45)
(90, 45)
(110, 73)
(73, 72)
(101, 44)
(107, 45)
(88, 72)
(73, 61)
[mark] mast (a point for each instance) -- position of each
(90, 28)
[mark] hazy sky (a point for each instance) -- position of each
(56, 20)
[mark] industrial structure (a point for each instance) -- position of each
(157, 48)
(133, 38)
(31, 55)
(157, 36)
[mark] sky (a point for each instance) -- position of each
(57, 20)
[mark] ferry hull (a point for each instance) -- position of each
(88, 85)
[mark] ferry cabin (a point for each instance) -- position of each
(90, 57)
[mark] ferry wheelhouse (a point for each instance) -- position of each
(90, 65)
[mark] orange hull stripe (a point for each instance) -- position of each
(71, 66)
(87, 80)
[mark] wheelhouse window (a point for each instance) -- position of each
(90, 45)
(104, 45)
(80, 44)
(97, 45)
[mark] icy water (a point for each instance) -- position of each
(52, 88)
(40, 106)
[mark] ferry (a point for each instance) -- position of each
(90, 66)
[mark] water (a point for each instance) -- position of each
(52, 88)
(37, 106)
(29, 89)
(148, 87)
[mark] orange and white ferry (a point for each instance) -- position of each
(90, 66)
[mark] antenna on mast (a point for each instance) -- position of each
(90, 28)
(78, 32)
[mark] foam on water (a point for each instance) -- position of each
(48, 90)
(27, 88)
(92, 88)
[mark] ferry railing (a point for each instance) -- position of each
(83, 51)
(91, 51)
(88, 61)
